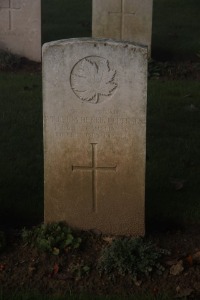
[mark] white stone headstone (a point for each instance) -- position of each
(20, 27)
(95, 95)
(128, 20)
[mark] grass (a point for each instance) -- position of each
(21, 160)
(172, 146)
(66, 19)
(176, 30)
(173, 143)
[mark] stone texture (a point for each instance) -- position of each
(20, 27)
(94, 134)
(128, 20)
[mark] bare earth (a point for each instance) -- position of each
(22, 268)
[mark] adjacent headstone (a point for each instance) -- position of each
(20, 27)
(94, 134)
(128, 20)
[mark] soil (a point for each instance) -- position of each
(23, 267)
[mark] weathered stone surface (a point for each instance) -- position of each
(128, 20)
(20, 27)
(94, 134)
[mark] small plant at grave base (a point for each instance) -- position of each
(133, 256)
(9, 61)
(53, 238)
(2, 240)
(80, 270)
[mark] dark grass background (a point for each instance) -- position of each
(21, 159)
(173, 127)
(173, 154)
(176, 30)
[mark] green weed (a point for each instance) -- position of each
(133, 256)
(53, 238)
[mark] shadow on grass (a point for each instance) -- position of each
(173, 162)
(21, 161)
(176, 30)
(66, 19)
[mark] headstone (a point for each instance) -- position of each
(20, 27)
(94, 134)
(128, 20)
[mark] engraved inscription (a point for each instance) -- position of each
(93, 127)
(10, 6)
(92, 78)
(123, 15)
(93, 169)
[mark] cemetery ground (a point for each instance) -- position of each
(172, 175)
(172, 190)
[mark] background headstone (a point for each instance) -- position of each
(127, 20)
(94, 134)
(20, 27)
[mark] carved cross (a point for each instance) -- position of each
(10, 7)
(94, 169)
(123, 14)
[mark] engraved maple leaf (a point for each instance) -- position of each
(92, 79)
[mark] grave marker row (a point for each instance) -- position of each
(20, 23)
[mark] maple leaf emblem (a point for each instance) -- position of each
(91, 78)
